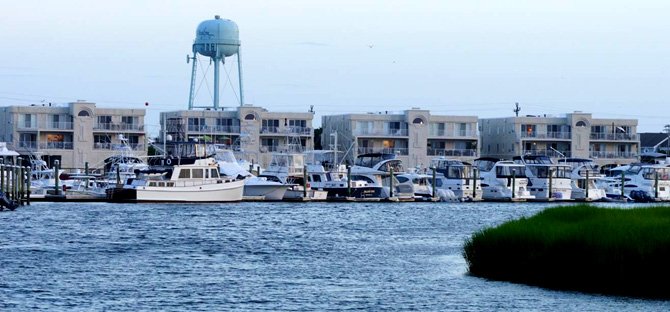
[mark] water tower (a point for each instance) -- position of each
(217, 39)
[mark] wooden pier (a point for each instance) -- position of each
(14, 185)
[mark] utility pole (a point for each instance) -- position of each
(517, 109)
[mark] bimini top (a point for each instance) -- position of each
(4, 151)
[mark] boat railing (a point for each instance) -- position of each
(185, 183)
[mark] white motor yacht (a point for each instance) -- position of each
(503, 180)
(326, 173)
(253, 185)
(289, 169)
(375, 169)
(190, 174)
(454, 175)
(585, 177)
(546, 180)
(422, 186)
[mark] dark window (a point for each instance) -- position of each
(83, 113)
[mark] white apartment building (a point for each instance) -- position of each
(253, 132)
(576, 135)
(73, 133)
(414, 135)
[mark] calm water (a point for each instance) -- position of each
(260, 256)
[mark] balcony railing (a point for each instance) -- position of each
(204, 129)
(116, 147)
(610, 154)
(385, 150)
(57, 125)
(452, 152)
(56, 145)
(546, 135)
(548, 152)
(381, 132)
(26, 144)
(453, 134)
(265, 130)
(614, 136)
(269, 148)
(27, 126)
(118, 127)
(300, 130)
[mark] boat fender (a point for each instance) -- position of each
(168, 161)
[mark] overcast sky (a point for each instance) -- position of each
(610, 58)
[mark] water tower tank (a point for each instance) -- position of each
(217, 38)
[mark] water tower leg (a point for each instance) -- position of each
(216, 83)
(239, 73)
(191, 95)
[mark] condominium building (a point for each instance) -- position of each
(578, 135)
(414, 135)
(74, 134)
(253, 132)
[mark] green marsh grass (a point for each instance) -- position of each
(584, 248)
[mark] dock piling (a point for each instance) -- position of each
(56, 178)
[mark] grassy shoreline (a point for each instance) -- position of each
(584, 248)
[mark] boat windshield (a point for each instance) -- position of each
(649, 173)
(556, 171)
(288, 160)
(225, 156)
(371, 160)
(537, 160)
(394, 164)
(485, 165)
(510, 171)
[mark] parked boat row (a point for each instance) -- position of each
(198, 172)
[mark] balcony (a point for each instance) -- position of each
(614, 136)
(546, 135)
(269, 130)
(31, 145)
(118, 147)
(452, 152)
(57, 125)
(300, 130)
(548, 152)
(121, 127)
(381, 132)
(611, 154)
(269, 148)
(384, 150)
(56, 146)
(453, 134)
(204, 129)
(27, 126)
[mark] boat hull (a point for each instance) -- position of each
(209, 193)
(269, 192)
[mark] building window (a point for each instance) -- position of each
(28, 121)
(418, 121)
(270, 126)
(250, 117)
(84, 113)
(196, 124)
(580, 124)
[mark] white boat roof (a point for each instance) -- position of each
(4, 151)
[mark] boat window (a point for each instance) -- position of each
(402, 179)
(185, 174)
(650, 173)
(316, 178)
(362, 178)
(197, 173)
(438, 182)
(509, 171)
(161, 184)
(214, 173)
(271, 178)
(556, 172)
